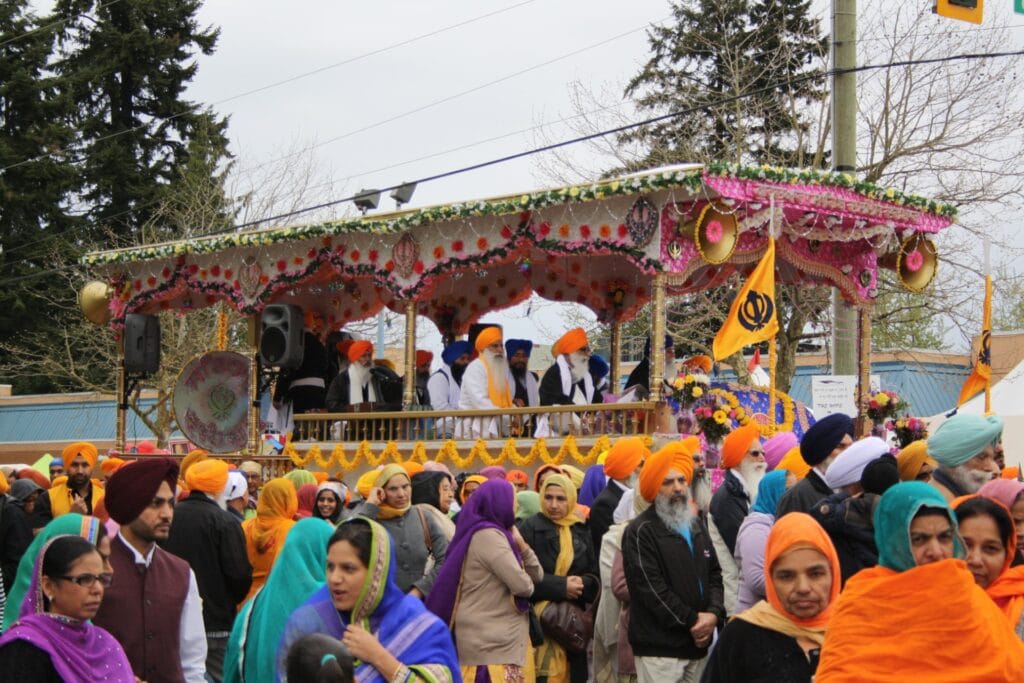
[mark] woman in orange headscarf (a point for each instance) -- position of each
(780, 639)
(265, 533)
(990, 541)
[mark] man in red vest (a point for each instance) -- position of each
(153, 606)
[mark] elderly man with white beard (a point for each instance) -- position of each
(745, 466)
(964, 447)
(358, 384)
(485, 386)
(568, 381)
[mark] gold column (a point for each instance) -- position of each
(409, 387)
(254, 386)
(863, 371)
(616, 356)
(658, 337)
(120, 428)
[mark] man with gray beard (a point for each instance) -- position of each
(485, 386)
(675, 584)
(964, 447)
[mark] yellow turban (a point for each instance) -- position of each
(194, 456)
(80, 448)
(412, 467)
(737, 443)
(698, 363)
(624, 457)
(675, 455)
(4, 485)
(911, 458)
(365, 482)
(573, 340)
(111, 465)
(487, 336)
(793, 462)
(575, 475)
(208, 476)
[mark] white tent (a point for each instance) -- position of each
(1007, 403)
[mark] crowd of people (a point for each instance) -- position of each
(821, 558)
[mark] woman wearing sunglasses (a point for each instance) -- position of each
(53, 639)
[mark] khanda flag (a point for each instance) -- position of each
(753, 317)
(982, 374)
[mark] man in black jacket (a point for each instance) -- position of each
(675, 583)
(825, 440)
(621, 465)
(207, 537)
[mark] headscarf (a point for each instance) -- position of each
(528, 504)
(80, 448)
(573, 340)
(306, 498)
(79, 651)
(962, 437)
(575, 475)
(737, 443)
(625, 456)
(358, 349)
(1006, 491)
(824, 435)
(386, 511)
(72, 524)
(494, 472)
(849, 465)
(426, 488)
(341, 496)
(473, 478)
(1007, 590)
(776, 448)
(893, 515)
(260, 623)
(23, 488)
(486, 337)
(455, 350)
(769, 491)
(209, 476)
(794, 462)
(423, 357)
(514, 345)
(300, 478)
(674, 455)
(594, 482)
(130, 490)
(265, 533)
(541, 470)
(911, 458)
(490, 507)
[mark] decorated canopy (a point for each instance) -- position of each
(597, 244)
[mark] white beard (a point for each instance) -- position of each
(752, 473)
(671, 371)
(969, 480)
(579, 366)
(674, 515)
(497, 364)
(358, 377)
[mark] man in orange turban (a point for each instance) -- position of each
(358, 384)
(79, 493)
(743, 460)
(485, 386)
(621, 466)
(567, 382)
(210, 539)
(423, 360)
(675, 585)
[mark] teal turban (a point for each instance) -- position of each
(962, 437)
(893, 515)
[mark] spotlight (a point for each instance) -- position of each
(367, 200)
(403, 194)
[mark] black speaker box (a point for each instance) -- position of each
(141, 344)
(281, 336)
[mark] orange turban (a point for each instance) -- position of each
(423, 357)
(321, 477)
(110, 465)
(1010, 473)
(358, 349)
(411, 467)
(910, 459)
(698, 363)
(80, 448)
(517, 477)
(4, 485)
(36, 476)
(674, 455)
(365, 482)
(625, 456)
(737, 443)
(487, 336)
(193, 457)
(343, 347)
(793, 462)
(573, 340)
(209, 476)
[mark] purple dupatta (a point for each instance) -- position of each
(80, 651)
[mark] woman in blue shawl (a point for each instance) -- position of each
(392, 635)
(752, 537)
(299, 570)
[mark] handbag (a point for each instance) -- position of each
(569, 625)
(536, 630)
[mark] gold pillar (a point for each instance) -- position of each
(658, 337)
(120, 428)
(253, 336)
(409, 387)
(863, 370)
(615, 351)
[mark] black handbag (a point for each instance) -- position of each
(536, 631)
(570, 625)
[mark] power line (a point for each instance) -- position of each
(59, 22)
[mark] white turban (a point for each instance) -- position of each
(237, 485)
(849, 464)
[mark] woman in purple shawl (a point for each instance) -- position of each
(482, 591)
(53, 640)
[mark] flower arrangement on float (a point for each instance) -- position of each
(885, 405)
(689, 388)
(713, 420)
(907, 429)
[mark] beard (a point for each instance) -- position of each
(518, 371)
(752, 473)
(579, 366)
(970, 480)
(497, 366)
(457, 372)
(671, 371)
(674, 512)
(359, 373)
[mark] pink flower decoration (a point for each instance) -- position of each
(714, 231)
(914, 261)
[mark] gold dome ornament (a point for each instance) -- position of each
(94, 300)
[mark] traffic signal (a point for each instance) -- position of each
(964, 10)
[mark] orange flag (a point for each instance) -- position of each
(981, 377)
(753, 316)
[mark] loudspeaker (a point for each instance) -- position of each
(141, 344)
(281, 336)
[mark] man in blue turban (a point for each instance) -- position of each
(445, 385)
(524, 383)
(820, 445)
(641, 375)
(964, 446)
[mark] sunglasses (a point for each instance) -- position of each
(89, 580)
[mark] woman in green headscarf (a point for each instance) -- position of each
(251, 655)
(71, 524)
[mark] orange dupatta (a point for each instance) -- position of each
(265, 533)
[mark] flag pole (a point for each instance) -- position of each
(988, 285)
(771, 342)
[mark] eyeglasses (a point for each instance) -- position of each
(88, 580)
(756, 453)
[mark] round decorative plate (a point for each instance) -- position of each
(211, 401)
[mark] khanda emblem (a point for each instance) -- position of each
(756, 311)
(985, 352)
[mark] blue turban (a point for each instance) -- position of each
(598, 367)
(57, 461)
(895, 511)
(453, 351)
(513, 345)
(962, 437)
(823, 436)
(647, 345)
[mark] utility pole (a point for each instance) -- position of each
(844, 160)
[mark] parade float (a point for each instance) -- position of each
(613, 246)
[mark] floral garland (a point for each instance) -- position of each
(808, 176)
(321, 462)
(739, 414)
(293, 454)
